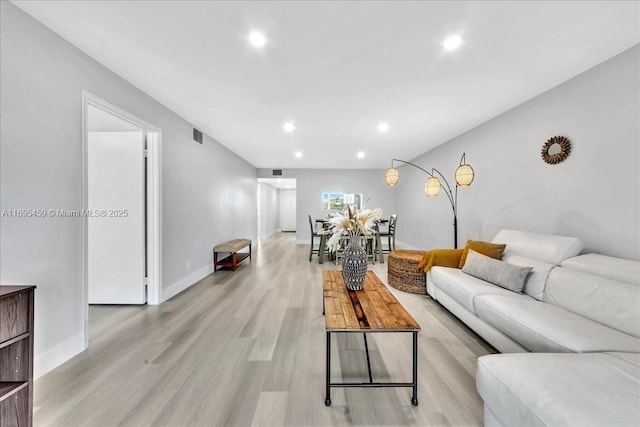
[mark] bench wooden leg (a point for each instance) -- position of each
(235, 261)
(215, 261)
(249, 253)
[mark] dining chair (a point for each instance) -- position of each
(369, 244)
(314, 234)
(344, 241)
(390, 234)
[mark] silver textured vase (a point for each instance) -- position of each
(354, 264)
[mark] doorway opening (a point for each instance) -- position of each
(121, 217)
(276, 206)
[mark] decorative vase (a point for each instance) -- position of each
(354, 263)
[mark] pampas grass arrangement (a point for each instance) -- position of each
(352, 222)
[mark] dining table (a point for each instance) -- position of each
(377, 247)
(322, 221)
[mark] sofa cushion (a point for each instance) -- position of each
(595, 389)
(463, 288)
(489, 249)
(622, 270)
(612, 303)
(534, 286)
(503, 274)
(544, 247)
(542, 327)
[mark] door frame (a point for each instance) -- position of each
(154, 200)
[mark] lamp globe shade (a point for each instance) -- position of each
(392, 176)
(464, 175)
(432, 186)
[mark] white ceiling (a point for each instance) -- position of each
(337, 69)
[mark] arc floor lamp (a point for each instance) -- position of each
(432, 186)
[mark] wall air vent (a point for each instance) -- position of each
(197, 136)
(276, 172)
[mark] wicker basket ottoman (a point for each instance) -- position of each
(403, 272)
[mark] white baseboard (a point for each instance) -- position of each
(56, 356)
(184, 283)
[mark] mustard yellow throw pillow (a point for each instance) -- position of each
(493, 250)
(440, 257)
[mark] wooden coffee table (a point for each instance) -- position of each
(372, 309)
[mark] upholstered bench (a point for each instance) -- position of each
(234, 258)
(403, 272)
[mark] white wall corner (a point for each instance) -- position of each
(186, 282)
(57, 355)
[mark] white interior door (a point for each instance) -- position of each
(288, 210)
(116, 226)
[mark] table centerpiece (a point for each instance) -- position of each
(354, 224)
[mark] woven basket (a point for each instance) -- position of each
(403, 272)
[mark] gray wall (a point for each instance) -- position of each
(311, 183)
(208, 193)
(593, 195)
(269, 203)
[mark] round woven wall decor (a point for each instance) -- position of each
(556, 150)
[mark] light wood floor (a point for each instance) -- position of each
(248, 348)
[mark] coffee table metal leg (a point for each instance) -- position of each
(327, 400)
(323, 302)
(414, 398)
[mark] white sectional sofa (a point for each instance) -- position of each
(586, 307)
(560, 389)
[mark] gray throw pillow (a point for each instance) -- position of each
(499, 273)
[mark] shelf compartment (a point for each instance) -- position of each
(14, 339)
(14, 362)
(14, 316)
(7, 389)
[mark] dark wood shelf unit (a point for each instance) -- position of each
(16, 355)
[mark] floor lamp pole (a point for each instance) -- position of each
(455, 232)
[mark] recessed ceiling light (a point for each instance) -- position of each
(360, 154)
(257, 39)
(452, 43)
(298, 154)
(383, 127)
(289, 127)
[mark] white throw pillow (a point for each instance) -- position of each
(499, 273)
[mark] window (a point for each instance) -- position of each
(338, 201)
